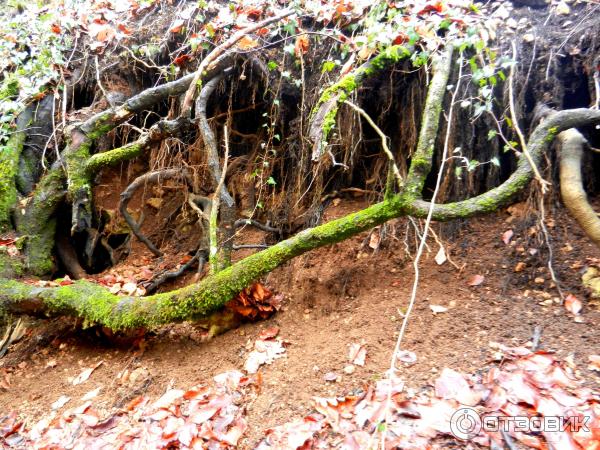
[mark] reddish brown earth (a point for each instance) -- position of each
(336, 296)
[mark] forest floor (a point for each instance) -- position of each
(333, 297)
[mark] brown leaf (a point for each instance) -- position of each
(476, 280)
(268, 333)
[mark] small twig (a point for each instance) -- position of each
(161, 278)
(99, 81)
(549, 245)
(214, 210)
(256, 224)
(597, 86)
(217, 53)
(244, 246)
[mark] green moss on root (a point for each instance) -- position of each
(9, 164)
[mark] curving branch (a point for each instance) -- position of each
(219, 53)
(150, 177)
(219, 257)
(156, 133)
(323, 116)
(256, 224)
(493, 199)
(96, 304)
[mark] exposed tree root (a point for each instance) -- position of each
(161, 278)
(150, 177)
(95, 304)
(571, 184)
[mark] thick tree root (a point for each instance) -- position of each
(500, 196)
(571, 183)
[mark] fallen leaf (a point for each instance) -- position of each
(573, 304)
(357, 354)
(129, 288)
(507, 236)
(520, 266)
(168, 398)
(177, 26)
(62, 401)
(91, 394)
(440, 257)
(331, 377)
(476, 280)
(594, 362)
(438, 309)
(268, 333)
(247, 43)
(83, 376)
(407, 357)
(301, 45)
(374, 240)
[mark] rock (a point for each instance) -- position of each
(528, 37)
(511, 23)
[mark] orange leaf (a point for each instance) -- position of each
(123, 29)
(476, 280)
(260, 292)
(246, 43)
(400, 39)
(301, 46)
(106, 34)
(55, 28)
(180, 61)
(573, 304)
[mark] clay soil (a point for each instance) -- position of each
(336, 296)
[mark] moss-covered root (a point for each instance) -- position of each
(9, 165)
(79, 185)
(323, 116)
(420, 165)
(156, 133)
(37, 224)
(493, 199)
(96, 305)
(571, 184)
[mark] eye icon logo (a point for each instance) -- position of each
(465, 423)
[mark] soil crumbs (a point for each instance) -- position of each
(495, 288)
